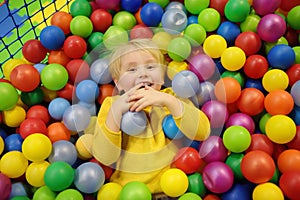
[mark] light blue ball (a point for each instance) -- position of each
(87, 91)
(174, 21)
(206, 92)
(185, 84)
(176, 5)
(90, 106)
(99, 71)
(76, 117)
(57, 107)
(63, 150)
(89, 177)
(133, 123)
(170, 128)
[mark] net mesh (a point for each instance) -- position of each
(21, 20)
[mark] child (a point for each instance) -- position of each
(138, 70)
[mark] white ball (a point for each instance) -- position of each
(185, 84)
(133, 123)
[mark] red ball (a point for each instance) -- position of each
(295, 143)
(101, 20)
(140, 31)
(251, 101)
(279, 102)
(62, 20)
(58, 57)
(256, 66)
(293, 73)
(188, 160)
(249, 42)
(75, 46)
(32, 125)
(219, 5)
(105, 91)
(289, 183)
(58, 131)
(68, 92)
(34, 51)
(78, 70)
(261, 142)
(38, 112)
(25, 77)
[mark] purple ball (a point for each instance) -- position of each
(241, 119)
(217, 177)
(263, 7)
(216, 112)
(212, 149)
(271, 27)
(203, 66)
(5, 186)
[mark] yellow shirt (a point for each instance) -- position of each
(146, 156)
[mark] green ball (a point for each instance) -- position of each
(179, 49)
(69, 194)
(237, 10)
(210, 19)
(297, 53)
(236, 138)
(195, 34)
(59, 176)
(250, 23)
(54, 76)
(293, 18)
(44, 193)
(34, 97)
(81, 26)
(234, 162)
(95, 40)
(19, 198)
(190, 196)
(9, 96)
(235, 74)
(262, 122)
(135, 190)
(196, 6)
(124, 19)
(81, 7)
(269, 45)
(162, 3)
(115, 36)
(196, 184)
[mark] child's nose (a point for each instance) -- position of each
(142, 72)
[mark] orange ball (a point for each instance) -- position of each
(106, 90)
(289, 160)
(58, 131)
(227, 90)
(251, 101)
(279, 102)
(62, 20)
(58, 57)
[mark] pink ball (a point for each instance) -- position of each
(271, 27)
(217, 177)
(241, 119)
(108, 5)
(216, 112)
(203, 66)
(263, 7)
(212, 149)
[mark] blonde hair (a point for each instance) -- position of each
(146, 45)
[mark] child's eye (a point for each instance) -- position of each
(150, 67)
(131, 69)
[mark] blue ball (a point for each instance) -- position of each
(255, 83)
(176, 5)
(174, 21)
(295, 115)
(63, 150)
(57, 107)
(239, 191)
(89, 177)
(13, 142)
(170, 128)
(151, 14)
(99, 71)
(131, 5)
(229, 31)
(185, 84)
(76, 117)
(87, 91)
(90, 106)
(3, 133)
(192, 19)
(133, 123)
(52, 37)
(39, 66)
(281, 56)
(18, 189)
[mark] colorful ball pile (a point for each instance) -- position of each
(237, 60)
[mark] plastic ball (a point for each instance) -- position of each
(293, 16)
(295, 93)
(281, 56)
(179, 49)
(111, 5)
(195, 33)
(217, 177)
(87, 91)
(278, 124)
(174, 21)
(206, 92)
(239, 191)
(293, 73)
(236, 138)
(54, 76)
(105, 91)
(13, 142)
(99, 71)
(229, 31)
(288, 160)
(9, 96)
(275, 79)
(76, 117)
(279, 102)
(233, 58)
(101, 20)
(94, 41)
(14, 117)
(31, 125)
(170, 128)
(141, 31)
(124, 19)
(81, 26)
(62, 19)
(59, 176)
(256, 66)
(131, 6)
(265, 7)
(57, 107)
(203, 66)
(13, 164)
(58, 131)
(133, 123)
(63, 150)
(174, 182)
(66, 92)
(241, 119)
(69, 194)
(89, 177)
(75, 46)
(261, 142)
(210, 19)
(294, 144)
(227, 90)
(267, 191)
(52, 37)
(271, 27)
(173, 5)
(212, 149)
(162, 40)
(251, 101)
(258, 166)
(151, 14)
(175, 67)
(38, 112)
(35, 173)
(195, 7)
(114, 36)
(19, 191)
(5, 186)
(135, 190)
(237, 11)
(196, 184)
(185, 84)
(289, 183)
(219, 5)
(78, 70)
(58, 57)
(109, 190)
(249, 42)
(189, 196)
(1, 145)
(44, 192)
(83, 8)
(216, 112)
(34, 51)
(234, 160)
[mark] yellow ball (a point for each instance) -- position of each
(280, 129)
(48, 94)
(174, 182)
(13, 164)
(275, 79)
(267, 191)
(162, 40)
(233, 58)
(35, 173)
(36, 147)
(1, 145)
(109, 191)
(83, 152)
(214, 46)
(10, 65)
(174, 67)
(14, 117)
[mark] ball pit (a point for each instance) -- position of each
(238, 61)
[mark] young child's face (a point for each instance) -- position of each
(139, 67)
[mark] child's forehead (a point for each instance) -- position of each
(137, 55)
